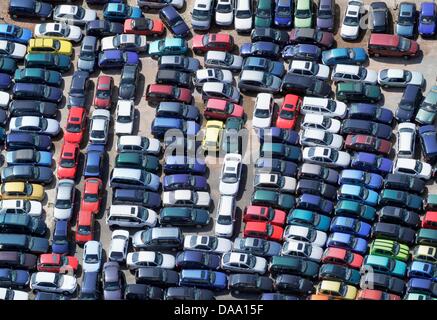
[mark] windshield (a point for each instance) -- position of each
(286, 114)
(283, 12)
(73, 127)
(404, 44)
(263, 13)
(91, 258)
(224, 8)
(201, 14)
(225, 220)
(84, 230)
(98, 134)
(67, 163)
(103, 94)
(244, 14)
(418, 166)
(262, 113)
(351, 21)
(303, 14)
(124, 119)
(427, 19)
(91, 197)
(63, 204)
(230, 177)
(112, 286)
(324, 14)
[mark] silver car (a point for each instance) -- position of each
(99, 126)
(64, 202)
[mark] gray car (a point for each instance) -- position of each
(259, 81)
(88, 54)
(257, 246)
(179, 63)
(27, 173)
(112, 281)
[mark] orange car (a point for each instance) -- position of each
(144, 26)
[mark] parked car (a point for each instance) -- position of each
(174, 22)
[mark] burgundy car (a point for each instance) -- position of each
(319, 38)
(103, 92)
(361, 142)
(161, 92)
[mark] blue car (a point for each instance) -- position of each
(117, 59)
(406, 19)
(422, 286)
(283, 13)
(207, 279)
(260, 49)
(174, 22)
(94, 161)
(286, 168)
(29, 91)
(369, 180)
(348, 242)
(358, 193)
(167, 46)
(14, 33)
(197, 260)
(10, 278)
(372, 112)
(5, 81)
(315, 203)
(419, 269)
(428, 140)
(302, 51)
(19, 140)
(182, 164)
(118, 12)
(371, 162)
(160, 126)
(147, 199)
(278, 296)
(29, 156)
(427, 19)
(29, 8)
(275, 68)
(279, 135)
(351, 226)
(344, 56)
(60, 242)
(185, 181)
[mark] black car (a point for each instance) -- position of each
(409, 103)
(90, 287)
(15, 259)
(316, 187)
(318, 172)
(305, 85)
(393, 232)
(252, 283)
(128, 82)
(404, 182)
(3, 118)
(397, 215)
(354, 126)
(142, 292)
(379, 17)
(157, 276)
(188, 293)
(103, 28)
(287, 283)
(382, 282)
(173, 77)
(78, 89)
(147, 199)
(271, 35)
(336, 272)
(21, 108)
(178, 110)
(27, 173)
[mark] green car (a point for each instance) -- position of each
(358, 91)
(7, 65)
(427, 237)
(339, 273)
(389, 248)
(231, 141)
(293, 265)
(431, 202)
(397, 198)
(274, 199)
(183, 216)
(38, 75)
(383, 264)
(281, 151)
(428, 108)
(58, 62)
(308, 218)
(355, 210)
(263, 14)
(136, 160)
(303, 14)
(167, 46)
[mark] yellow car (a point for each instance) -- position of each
(425, 253)
(22, 190)
(49, 45)
(211, 141)
(337, 289)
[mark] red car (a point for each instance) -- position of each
(430, 220)
(263, 230)
(221, 110)
(392, 45)
(162, 92)
(53, 262)
(76, 124)
(265, 214)
(370, 294)
(104, 88)
(68, 161)
(288, 112)
(343, 257)
(92, 198)
(212, 41)
(84, 227)
(362, 142)
(144, 26)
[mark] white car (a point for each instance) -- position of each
(73, 14)
(138, 144)
(33, 124)
(225, 217)
(123, 41)
(302, 249)
(309, 68)
(320, 138)
(230, 174)
(275, 181)
(400, 78)
(207, 243)
(263, 110)
(224, 12)
(9, 294)
(92, 256)
(412, 167)
(118, 246)
(4, 100)
(99, 126)
(212, 75)
(190, 198)
(220, 90)
(64, 201)
(243, 262)
(58, 31)
(12, 49)
(305, 234)
(141, 259)
(243, 16)
(350, 27)
(124, 117)
(348, 72)
(326, 156)
(53, 282)
(406, 140)
(318, 121)
(32, 208)
(224, 60)
(323, 106)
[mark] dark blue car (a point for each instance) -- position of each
(275, 68)
(185, 181)
(182, 164)
(348, 242)
(117, 59)
(366, 179)
(60, 243)
(314, 203)
(207, 279)
(18, 140)
(278, 135)
(410, 102)
(37, 91)
(260, 49)
(428, 140)
(372, 112)
(103, 28)
(5, 81)
(14, 33)
(302, 51)
(174, 22)
(278, 296)
(94, 161)
(286, 168)
(10, 278)
(197, 260)
(371, 162)
(427, 19)
(147, 199)
(283, 13)
(422, 286)
(29, 8)
(351, 226)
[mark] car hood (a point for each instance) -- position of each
(224, 17)
(224, 230)
(261, 264)
(19, 50)
(228, 188)
(416, 78)
(75, 33)
(325, 23)
(126, 91)
(62, 214)
(371, 76)
(168, 261)
(123, 128)
(302, 23)
(53, 126)
(349, 31)
(107, 43)
(406, 31)
(427, 28)
(69, 283)
(323, 71)
(243, 24)
(193, 64)
(86, 65)
(192, 128)
(154, 146)
(112, 295)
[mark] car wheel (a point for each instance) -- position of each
(198, 226)
(236, 291)
(66, 293)
(376, 55)
(14, 16)
(406, 57)
(198, 52)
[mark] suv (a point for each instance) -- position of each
(201, 15)
(392, 45)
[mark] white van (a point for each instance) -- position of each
(243, 16)
(326, 107)
(131, 216)
(201, 14)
